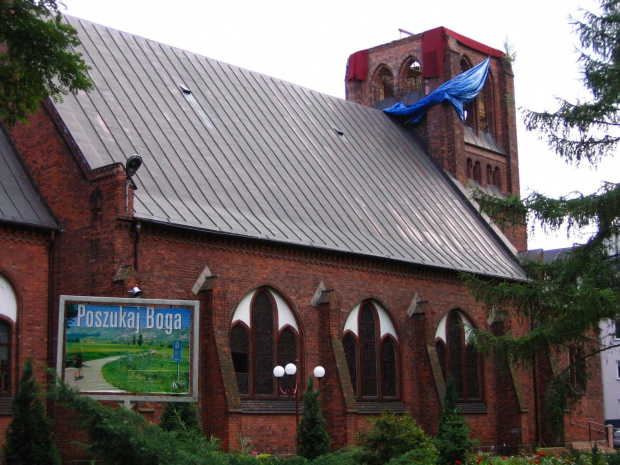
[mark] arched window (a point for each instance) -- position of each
(264, 333)
(384, 83)
(371, 348)
(477, 172)
(457, 357)
(413, 76)
(497, 178)
(8, 317)
(468, 108)
(478, 114)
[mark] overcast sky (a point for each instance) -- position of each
(308, 43)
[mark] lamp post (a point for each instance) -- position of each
(291, 370)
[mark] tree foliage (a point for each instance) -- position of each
(29, 436)
(36, 57)
(118, 436)
(312, 437)
(588, 129)
(452, 439)
(564, 300)
(394, 437)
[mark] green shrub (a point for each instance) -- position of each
(390, 437)
(452, 439)
(312, 437)
(29, 436)
(180, 416)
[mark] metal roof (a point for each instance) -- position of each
(237, 152)
(20, 202)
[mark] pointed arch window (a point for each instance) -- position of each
(457, 357)
(8, 319)
(384, 83)
(264, 333)
(371, 349)
(497, 177)
(477, 172)
(413, 77)
(478, 112)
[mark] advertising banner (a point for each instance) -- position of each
(129, 346)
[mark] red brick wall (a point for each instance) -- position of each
(24, 263)
(99, 236)
(441, 129)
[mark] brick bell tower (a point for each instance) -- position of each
(480, 151)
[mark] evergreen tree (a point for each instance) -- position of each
(36, 60)
(119, 436)
(180, 416)
(312, 437)
(564, 301)
(29, 438)
(452, 439)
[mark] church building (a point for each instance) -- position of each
(292, 226)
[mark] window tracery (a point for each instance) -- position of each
(264, 333)
(457, 357)
(371, 349)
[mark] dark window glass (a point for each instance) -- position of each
(240, 351)
(368, 357)
(441, 354)
(262, 326)
(373, 364)
(388, 369)
(497, 177)
(455, 351)
(256, 351)
(350, 351)
(5, 346)
(473, 387)
(462, 360)
(287, 352)
(477, 172)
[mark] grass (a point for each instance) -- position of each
(150, 372)
(92, 351)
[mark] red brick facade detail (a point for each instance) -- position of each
(99, 235)
(441, 130)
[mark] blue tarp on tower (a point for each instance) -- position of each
(458, 91)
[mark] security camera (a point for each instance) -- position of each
(135, 292)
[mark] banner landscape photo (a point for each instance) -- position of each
(112, 348)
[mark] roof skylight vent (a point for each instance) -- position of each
(339, 133)
(195, 105)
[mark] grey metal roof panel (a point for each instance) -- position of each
(247, 154)
(20, 202)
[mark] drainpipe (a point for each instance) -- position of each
(136, 247)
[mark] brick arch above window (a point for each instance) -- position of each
(441, 327)
(386, 327)
(372, 352)
(8, 300)
(8, 318)
(263, 333)
(457, 357)
(411, 75)
(383, 83)
(284, 311)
